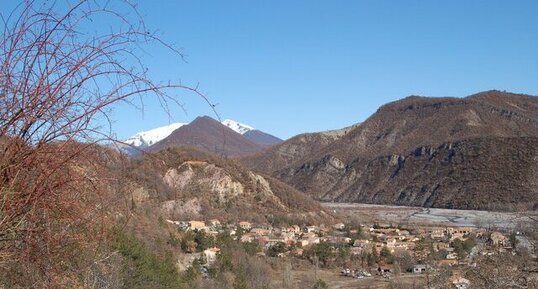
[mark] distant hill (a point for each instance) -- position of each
(209, 135)
(261, 138)
(287, 153)
(293, 150)
(141, 141)
(392, 156)
(201, 185)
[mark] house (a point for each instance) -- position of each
(339, 226)
(265, 226)
(400, 246)
(498, 239)
(452, 256)
(311, 229)
(288, 236)
(214, 223)
(382, 225)
(262, 240)
(303, 242)
(197, 225)
(438, 246)
(383, 269)
(260, 231)
(420, 268)
(459, 282)
(290, 242)
(247, 238)
(309, 239)
(211, 254)
(273, 241)
(212, 233)
(390, 242)
(437, 233)
(245, 225)
(338, 240)
(360, 243)
(480, 232)
(459, 230)
(458, 235)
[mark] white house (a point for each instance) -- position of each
(211, 254)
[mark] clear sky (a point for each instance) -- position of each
(288, 67)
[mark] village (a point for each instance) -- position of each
(361, 251)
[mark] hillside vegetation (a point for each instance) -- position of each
(476, 152)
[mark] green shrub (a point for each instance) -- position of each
(142, 268)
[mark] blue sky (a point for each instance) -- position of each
(288, 67)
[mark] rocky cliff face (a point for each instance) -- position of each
(495, 173)
(289, 152)
(219, 187)
(476, 152)
(204, 186)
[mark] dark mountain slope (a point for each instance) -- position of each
(483, 173)
(352, 168)
(415, 121)
(261, 138)
(209, 135)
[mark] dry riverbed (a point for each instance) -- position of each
(432, 216)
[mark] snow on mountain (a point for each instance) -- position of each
(150, 137)
(236, 126)
(147, 138)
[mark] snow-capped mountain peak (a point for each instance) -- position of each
(147, 138)
(237, 126)
(150, 137)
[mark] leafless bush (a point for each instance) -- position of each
(501, 271)
(58, 82)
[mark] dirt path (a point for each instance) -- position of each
(305, 279)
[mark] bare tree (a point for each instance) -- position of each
(59, 78)
(501, 271)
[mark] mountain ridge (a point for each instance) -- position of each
(209, 135)
(144, 139)
(336, 170)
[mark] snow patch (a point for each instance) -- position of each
(147, 138)
(237, 126)
(150, 137)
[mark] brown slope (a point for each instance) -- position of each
(287, 153)
(209, 135)
(337, 171)
(201, 185)
(482, 173)
(262, 138)
(403, 125)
